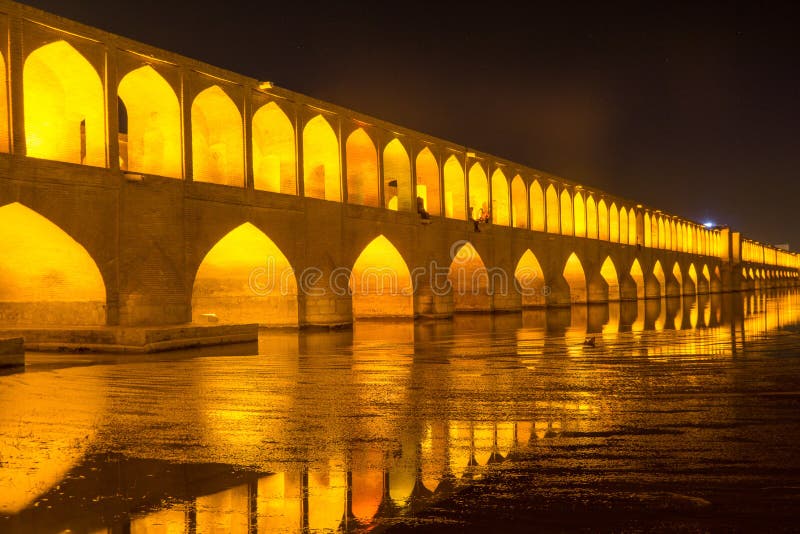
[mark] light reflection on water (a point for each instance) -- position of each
(329, 430)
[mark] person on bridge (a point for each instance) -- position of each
(421, 209)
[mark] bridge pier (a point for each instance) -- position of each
(433, 303)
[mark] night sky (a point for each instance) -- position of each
(694, 110)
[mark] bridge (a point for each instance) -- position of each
(140, 187)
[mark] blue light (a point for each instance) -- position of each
(708, 224)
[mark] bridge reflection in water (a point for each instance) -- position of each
(345, 429)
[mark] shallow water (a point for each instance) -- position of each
(683, 415)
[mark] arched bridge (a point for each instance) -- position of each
(139, 187)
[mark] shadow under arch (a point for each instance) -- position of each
(469, 279)
(575, 278)
(380, 282)
(46, 276)
(245, 279)
(530, 277)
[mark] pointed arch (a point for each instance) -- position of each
(632, 230)
(603, 221)
(676, 272)
(64, 106)
(274, 151)
(637, 274)
(660, 277)
(217, 139)
(454, 199)
(673, 236)
(567, 227)
(380, 282)
(46, 277)
(469, 280)
(678, 241)
(245, 278)
(530, 278)
(608, 272)
(591, 218)
(5, 143)
(519, 203)
(704, 280)
(614, 223)
(397, 176)
(478, 191)
(362, 169)
(654, 233)
(662, 241)
(321, 163)
(538, 220)
(500, 214)
(575, 277)
(553, 219)
(648, 230)
(691, 282)
(428, 181)
(579, 215)
(152, 144)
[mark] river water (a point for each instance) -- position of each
(683, 415)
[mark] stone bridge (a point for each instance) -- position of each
(140, 187)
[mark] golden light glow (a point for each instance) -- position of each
(538, 208)
(245, 279)
(632, 239)
(4, 141)
(326, 498)
(154, 125)
(225, 511)
(530, 278)
(170, 520)
(470, 280)
(274, 161)
(519, 203)
(428, 181)
(478, 190)
(638, 276)
(654, 234)
(676, 272)
(500, 213)
(279, 502)
(567, 226)
(658, 272)
(591, 218)
(46, 277)
(648, 229)
(362, 170)
(693, 277)
(576, 279)
(662, 241)
(64, 106)
(321, 166)
(580, 215)
(602, 220)
(553, 220)
(217, 139)
(397, 177)
(380, 282)
(454, 198)
(609, 274)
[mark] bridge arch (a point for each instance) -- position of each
(657, 286)
(632, 227)
(274, 160)
(245, 278)
(637, 275)
(64, 106)
(519, 203)
(530, 277)
(500, 214)
(362, 169)
(469, 279)
(322, 170)
(551, 209)
(606, 287)
(454, 193)
(704, 280)
(478, 191)
(397, 177)
(567, 226)
(47, 278)
(602, 221)
(428, 181)
(153, 142)
(575, 277)
(217, 139)
(614, 221)
(380, 282)
(591, 217)
(5, 142)
(690, 282)
(538, 219)
(579, 213)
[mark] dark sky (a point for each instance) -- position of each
(692, 109)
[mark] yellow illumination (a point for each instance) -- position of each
(591, 218)
(632, 227)
(217, 142)
(362, 170)
(279, 502)
(327, 489)
(567, 227)
(154, 124)
(46, 277)
(576, 279)
(662, 241)
(676, 272)
(519, 203)
(171, 520)
(64, 106)
(530, 277)
(478, 191)
(225, 511)
(321, 168)
(454, 199)
(580, 215)
(274, 162)
(638, 276)
(602, 220)
(397, 177)
(470, 280)
(609, 274)
(381, 282)
(647, 230)
(244, 279)
(4, 142)
(500, 213)
(537, 207)
(428, 181)
(658, 272)
(693, 276)
(553, 220)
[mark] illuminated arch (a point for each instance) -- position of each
(579, 207)
(4, 140)
(567, 227)
(500, 213)
(691, 289)
(530, 278)
(660, 277)
(662, 241)
(632, 240)
(591, 218)
(614, 222)
(64, 106)
(217, 146)
(478, 191)
(470, 280)
(428, 181)
(576, 279)
(152, 144)
(602, 220)
(654, 234)
(245, 279)
(380, 282)
(609, 274)
(397, 177)
(321, 163)
(538, 221)
(46, 277)
(673, 236)
(553, 219)
(677, 242)
(519, 203)
(676, 272)
(637, 274)
(362, 169)
(648, 229)
(274, 159)
(454, 199)
(704, 280)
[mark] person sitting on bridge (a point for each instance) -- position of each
(473, 219)
(486, 215)
(421, 209)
